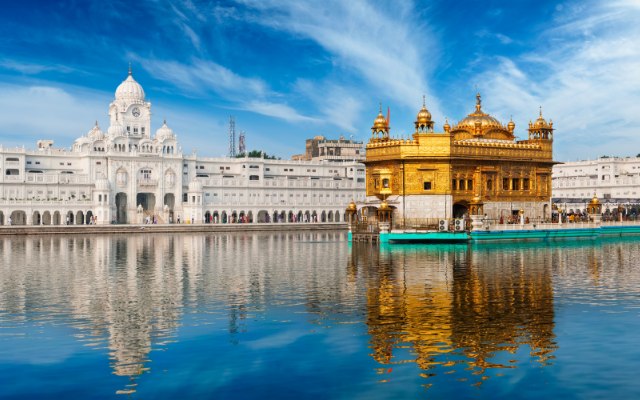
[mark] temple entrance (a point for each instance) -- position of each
(146, 200)
(460, 210)
(170, 201)
(121, 208)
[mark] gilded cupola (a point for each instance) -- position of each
(540, 128)
(423, 119)
(380, 128)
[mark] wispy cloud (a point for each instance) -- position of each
(32, 68)
(54, 113)
(383, 46)
(585, 75)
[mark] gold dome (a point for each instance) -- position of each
(380, 123)
(424, 116)
(594, 200)
(541, 122)
(446, 126)
(384, 206)
(352, 206)
(478, 119)
(511, 126)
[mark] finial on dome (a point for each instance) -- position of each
(129, 68)
(164, 122)
(540, 111)
(424, 101)
(478, 102)
(380, 107)
(96, 123)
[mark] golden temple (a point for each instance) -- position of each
(476, 166)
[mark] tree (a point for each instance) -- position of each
(257, 154)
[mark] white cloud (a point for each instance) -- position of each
(29, 113)
(384, 45)
(585, 75)
(33, 69)
(277, 110)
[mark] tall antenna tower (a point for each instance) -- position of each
(232, 137)
(241, 146)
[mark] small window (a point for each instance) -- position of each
(525, 184)
(98, 162)
(489, 184)
(454, 184)
(470, 184)
(254, 178)
(461, 184)
(385, 183)
(38, 162)
(515, 184)
(28, 162)
(427, 185)
(505, 183)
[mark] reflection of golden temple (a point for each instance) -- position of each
(441, 175)
(453, 306)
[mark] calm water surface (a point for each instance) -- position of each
(306, 315)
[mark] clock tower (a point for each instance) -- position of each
(130, 111)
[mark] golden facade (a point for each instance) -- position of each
(476, 162)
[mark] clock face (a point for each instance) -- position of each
(135, 112)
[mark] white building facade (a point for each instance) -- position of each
(125, 175)
(614, 180)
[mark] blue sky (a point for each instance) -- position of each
(290, 70)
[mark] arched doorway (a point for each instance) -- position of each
(147, 200)
(300, 216)
(460, 209)
(56, 218)
(18, 217)
(121, 208)
(263, 216)
(290, 217)
(224, 217)
(307, 216)
(69, 218)
(89, 218)
(1, 218)
(250, 217)
(80, 217)
(46, 218)
(215, 217)
(323, 217)
(336, 217)
(36, 218)
(207, 217)
(330, 216)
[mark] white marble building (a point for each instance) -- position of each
(614, 180)
(126, 175)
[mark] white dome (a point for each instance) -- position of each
(130, 90)
(164, 132)
(95, 133)
(116, 130)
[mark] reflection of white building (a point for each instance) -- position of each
(614, 180)
(127, 175)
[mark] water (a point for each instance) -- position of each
(306, 315)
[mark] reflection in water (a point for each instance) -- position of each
(471, 312)
(456, 307)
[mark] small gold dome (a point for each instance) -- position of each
(446, 126)
(352, 206)
(380, 123)
(424, 116)
(594, 200)
(511, 126)
(541, 122)
(384, 205)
